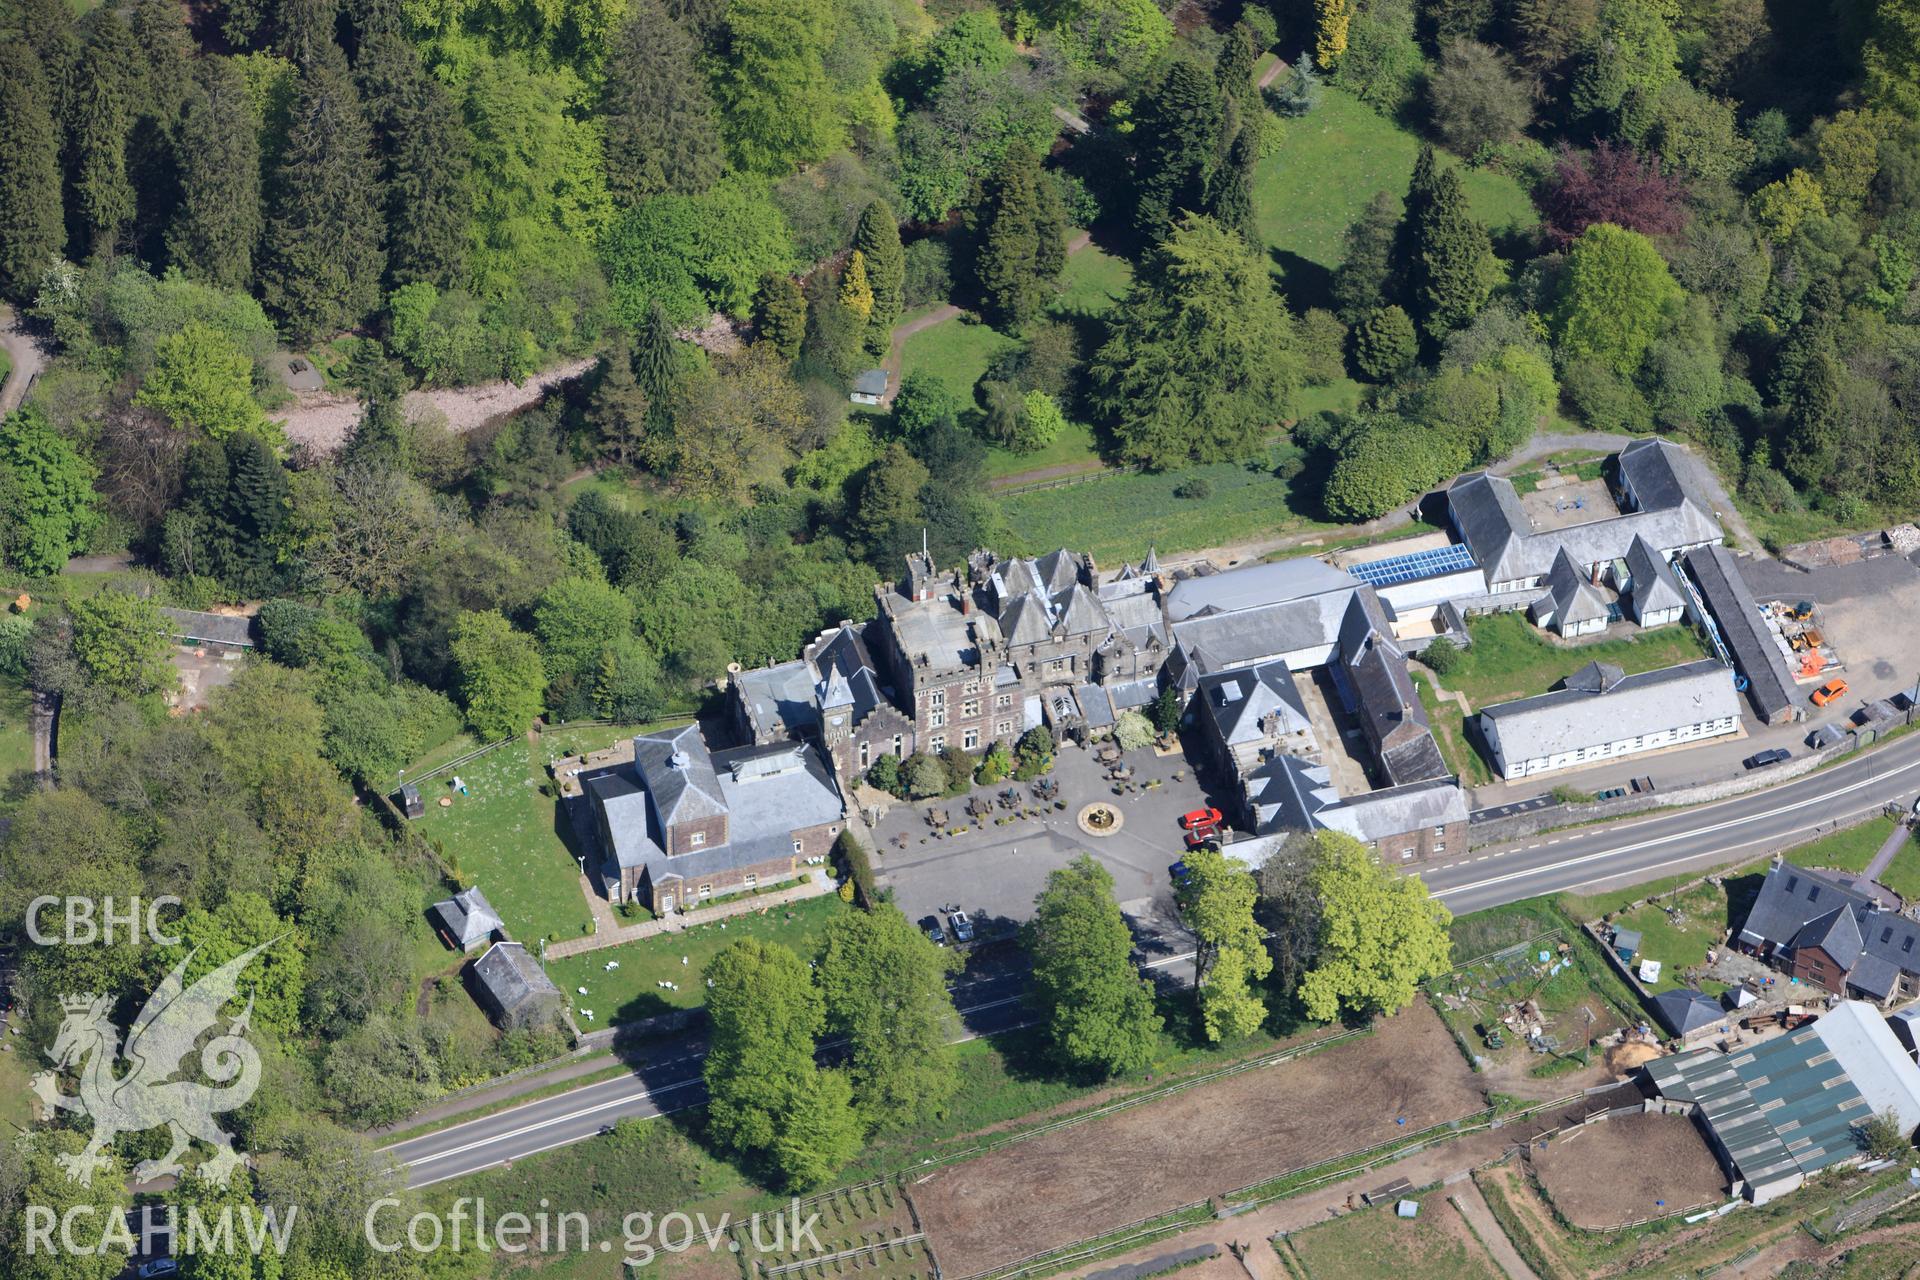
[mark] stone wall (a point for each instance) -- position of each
(1519, 826)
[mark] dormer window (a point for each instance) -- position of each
(696, 839)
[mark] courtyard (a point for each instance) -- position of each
(994, 872)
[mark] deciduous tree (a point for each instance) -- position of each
(1097, 1009)
(1216, 901)
(201, 381)
(1614, 297)
(767, 1097)
(1381, 936)
(500, 674)
(1613, 184)
(885, 988)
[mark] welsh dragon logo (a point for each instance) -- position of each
(147, 1095)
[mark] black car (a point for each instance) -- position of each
(935, 934)
(1762, 759)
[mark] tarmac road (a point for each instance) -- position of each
(1643, 848)
(654, 1088)
(1649, 847)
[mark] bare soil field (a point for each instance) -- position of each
(1089, 1178)
(1619, 1170)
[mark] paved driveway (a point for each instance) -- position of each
(995, 873)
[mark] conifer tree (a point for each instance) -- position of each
(423, 147)
(1178, 134)
(780, 313)
(321, 269)
(1234, 67)
(1364, 278)
(1051, 227)
(877, 239)
(1332, 18)
(29, 174)
(217, 226)
(662, 134)
(856, 295)
(620, 407)
(1011, 264)
(656, 366)
(1453, 262)
(100, 103)
(1231, 200)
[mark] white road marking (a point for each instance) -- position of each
(1694, 834)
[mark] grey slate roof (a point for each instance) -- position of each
(1489, 517)
(1683, 1010)
(1798, 907)
(1236, 702)
(677, 771)
(1731, 602)
(779, 698)
(1256, 585)
(766, 793)
(512, 979)
(467, 917)
(1575, 600)
(1654, 586)
(1572, 717)
(1293, 794)
(871, 383)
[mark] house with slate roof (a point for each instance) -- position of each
(1833, 931)
(1648, 585)
(1247, 715)
(683, 824)
(513, 989)
(467, 920)
(1663, 506)
(1601, 713)
(1572, 605)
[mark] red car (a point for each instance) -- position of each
(1201, 818)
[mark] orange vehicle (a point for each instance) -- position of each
(1829, 691)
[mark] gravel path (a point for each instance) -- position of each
(27, 356)
(323, 422)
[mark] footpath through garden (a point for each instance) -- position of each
(814, 886)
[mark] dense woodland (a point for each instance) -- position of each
(730, 204)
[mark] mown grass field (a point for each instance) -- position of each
(1330, 164)
(1850, 849)
(1509, 658)
(1678, 932)
(1376, 1244)
(632, 991)
(1116, 517)
(958, 352)
(505, 837)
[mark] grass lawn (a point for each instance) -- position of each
(505, 836)
(1116, 516)
(958, 352)
(1848, 850)
(1449, 725)
(6, 367)
(1336, 397)
(1903, 873)
(1509, 658)
(16, 1099)
(1376, 1244)
(1325, 170)
(1678, 932)
(16, 741)
(632, 992)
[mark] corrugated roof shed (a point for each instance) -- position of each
(195, 627)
